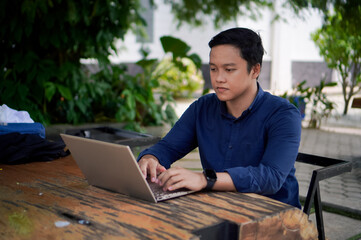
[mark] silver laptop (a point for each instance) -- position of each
(113, 166)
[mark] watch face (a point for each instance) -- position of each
(211, 174)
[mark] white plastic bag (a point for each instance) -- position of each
(9, 115)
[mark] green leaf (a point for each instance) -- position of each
(140, 98)
(144, 63)
(196, 60)
(175, 46)
(330, 84)
(129, 98)
(171, 114)
(23, 91)
(64, 91)
(82, 106)
(50, 89)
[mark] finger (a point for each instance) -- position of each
(152, 172)
(161, 177)
(160, 169)
(168, 173)
(176, 186)
(143, 169)
(173, 183)
(148, 165)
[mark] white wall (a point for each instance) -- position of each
(283, 42)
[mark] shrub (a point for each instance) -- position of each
(314, 97)
(42, 43)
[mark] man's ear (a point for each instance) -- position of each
(256, 70)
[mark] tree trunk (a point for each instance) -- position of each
(345, 109)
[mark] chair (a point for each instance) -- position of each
(330, 168)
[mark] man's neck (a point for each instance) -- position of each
(237, 106)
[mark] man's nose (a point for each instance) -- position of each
(220, 77)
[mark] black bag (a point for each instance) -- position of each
(16, 148)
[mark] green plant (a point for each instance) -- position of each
(178, 72)
(140, 106)
(141, 103)
(339, 42)
(180, 83)
(42, 46)
(130, 99)
(320, 106)
(42, 43)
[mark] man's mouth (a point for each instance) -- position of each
(221, 89)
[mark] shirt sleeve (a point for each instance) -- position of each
(283, 138)
(179, 141)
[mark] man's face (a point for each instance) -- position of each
(229, 76)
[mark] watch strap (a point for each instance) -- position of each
(211, 178)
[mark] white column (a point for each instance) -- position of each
(281, 72)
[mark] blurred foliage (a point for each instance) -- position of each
(320, 107)
(195, 12)
(339, 42)
(42, 43)
(130, 99)
(178, 72)
(179, 83)
(136, 99)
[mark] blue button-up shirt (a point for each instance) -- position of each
(258, 149)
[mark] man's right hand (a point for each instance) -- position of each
(149, 165)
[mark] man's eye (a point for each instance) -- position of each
(213, 69)
(230, 69)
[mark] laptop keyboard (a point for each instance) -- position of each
(160, 195)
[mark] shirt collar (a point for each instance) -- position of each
(259, 95)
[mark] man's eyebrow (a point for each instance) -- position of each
(229, 64)
(224, 65)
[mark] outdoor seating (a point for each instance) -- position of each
(330, 168)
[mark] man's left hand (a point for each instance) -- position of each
(177, 177)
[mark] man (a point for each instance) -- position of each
(248, 139)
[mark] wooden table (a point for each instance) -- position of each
(35, 197)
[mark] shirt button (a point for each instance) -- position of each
(230, 146)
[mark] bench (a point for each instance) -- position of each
(330, 168)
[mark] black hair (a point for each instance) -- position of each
(247, 41)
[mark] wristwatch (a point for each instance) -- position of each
(211, 178)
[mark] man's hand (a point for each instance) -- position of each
(149, 164)
(176, 178)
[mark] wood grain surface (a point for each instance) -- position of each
(35, 197)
